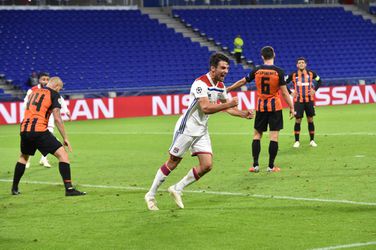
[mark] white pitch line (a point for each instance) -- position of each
(219, 133)
(347, 246)
(359, 156)
(212, 133)
(212, 192)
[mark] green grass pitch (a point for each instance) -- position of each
(308, 205)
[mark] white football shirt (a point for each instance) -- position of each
(194, 122)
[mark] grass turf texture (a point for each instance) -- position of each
(127, 153)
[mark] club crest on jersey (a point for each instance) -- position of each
(198, 90)
(175, 150)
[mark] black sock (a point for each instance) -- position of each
(19, 170)
(311, 129)
(256, 148)
(64, 169)
(297, 131)
(273, 150)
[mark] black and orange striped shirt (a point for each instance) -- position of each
(268, 79)
(39, 107)
(303, 84)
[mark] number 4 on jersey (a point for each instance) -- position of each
(33, 100)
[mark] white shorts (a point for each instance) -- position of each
(197, 145)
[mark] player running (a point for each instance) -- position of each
(191, 130)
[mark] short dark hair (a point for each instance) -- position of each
(216, 58)
(267, 52)
(301, 59)
(41, 74)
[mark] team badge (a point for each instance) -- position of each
(198, 90)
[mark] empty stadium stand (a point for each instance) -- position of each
(337, 44)
(98, 50)
(125, 50)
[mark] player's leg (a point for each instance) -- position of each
(65, 172)
(201, 148)
(28, 148)
(273, 150)
(28, 162)
(310, 112)
(275, 125)
(261, 124)
(19, 170)
(179, 146)
(48, 144)
(299, 109)
(51, 126)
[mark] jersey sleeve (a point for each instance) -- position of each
(317, 78)
(250, 76)
(55, 100)
(199, 89)
(288, 78)
(281, 75)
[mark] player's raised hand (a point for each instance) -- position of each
(67, 144)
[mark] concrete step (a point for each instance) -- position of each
(6, 87)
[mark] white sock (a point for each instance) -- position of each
(158, 180)
(187, 180)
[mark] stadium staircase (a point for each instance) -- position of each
(164, 15)
(357, 11)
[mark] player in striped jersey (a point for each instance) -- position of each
(43, 79)
(34, 134)
(304, 94)
(269, 80)
(191, 130)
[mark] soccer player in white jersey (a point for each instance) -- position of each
(191, 130)
(43, 79)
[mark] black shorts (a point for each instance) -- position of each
(274, 119)
(45, 142)
(300, 107)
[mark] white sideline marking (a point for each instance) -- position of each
(211, 192)
(212, 133)
(347, 246)
(359, 156)
(218, 133)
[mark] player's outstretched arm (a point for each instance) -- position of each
(286, 96)
(247, 114)
(211, 108)
(237, 84)
(60, 126)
